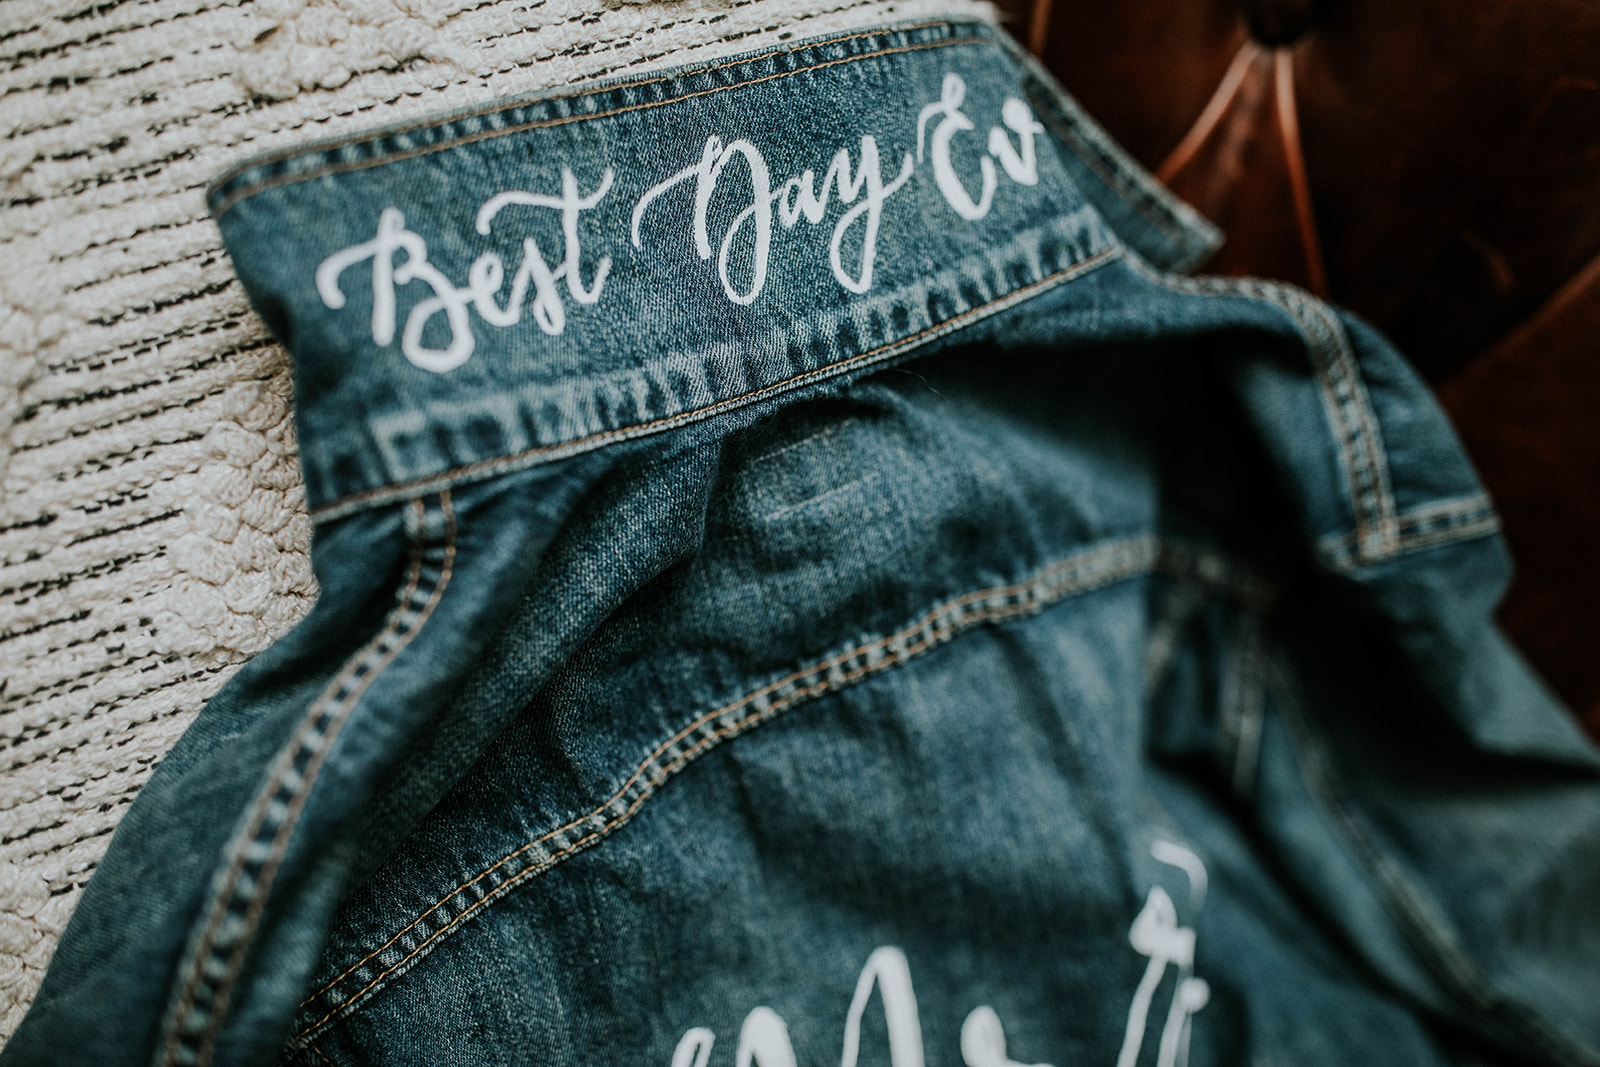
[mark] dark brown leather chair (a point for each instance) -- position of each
(1433, 165)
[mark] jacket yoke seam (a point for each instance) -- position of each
(1082, 572)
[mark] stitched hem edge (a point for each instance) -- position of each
(212, 965)
(1173, 218)
(1356, 428)
(1439, 523)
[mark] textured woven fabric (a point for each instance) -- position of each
(153, 532)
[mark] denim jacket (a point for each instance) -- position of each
(807, 573)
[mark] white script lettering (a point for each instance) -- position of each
(1156, 934)
(484, 278)
(764, 1037)
(952, 122)
(399, 256)
(799, 197)
(983, 1040)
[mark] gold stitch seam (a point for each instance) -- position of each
(285, 832)
(1475, 516)
(236, 864)
(1121, 570)
(347, 701)
(1045, 576)
(652, 787)
(1348, 435)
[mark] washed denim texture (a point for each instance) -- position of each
(903, 618)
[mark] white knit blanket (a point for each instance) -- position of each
(153, 533)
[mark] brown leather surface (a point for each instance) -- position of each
(1451, 163)
(1247, 169)
(1529, 413)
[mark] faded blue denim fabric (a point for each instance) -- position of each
(807, 575)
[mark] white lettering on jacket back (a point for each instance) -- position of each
(398, 256)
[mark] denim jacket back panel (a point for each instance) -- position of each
(711, 680)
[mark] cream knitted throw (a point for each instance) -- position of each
(153, 534)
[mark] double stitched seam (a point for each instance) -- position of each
(1453, 520)
(213, 965)
(1409, 906)
(1477, 526)
(544, 453)
(540, 124)
(1362, 458)
(1446, 513)
(1091, 569)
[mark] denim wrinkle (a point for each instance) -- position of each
(807, 569)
